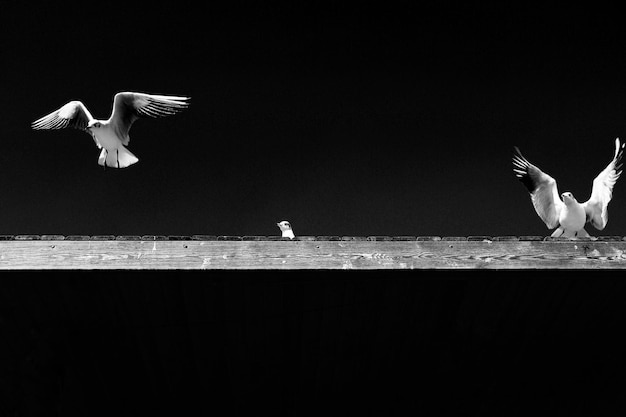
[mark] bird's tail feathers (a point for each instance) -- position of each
(117, 158)
(558, 232)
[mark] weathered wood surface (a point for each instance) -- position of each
(331, 253)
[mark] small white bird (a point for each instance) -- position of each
(286, 229)
(569, 216)
(112, 135)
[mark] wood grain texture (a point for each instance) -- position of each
(310, 254)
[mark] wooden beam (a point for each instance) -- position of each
(329, 252)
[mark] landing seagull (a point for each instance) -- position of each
(285, 228)
(112, 135)
(569, 216)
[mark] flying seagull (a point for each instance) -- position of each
(286, 229)
(112, 135)
(569, 216)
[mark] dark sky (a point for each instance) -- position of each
(344, 120)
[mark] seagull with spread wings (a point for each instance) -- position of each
(569, 216)
(112, 135)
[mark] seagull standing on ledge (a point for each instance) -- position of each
(286, 229)
(569, 216)
(112, 135)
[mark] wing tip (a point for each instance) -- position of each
(518, 153)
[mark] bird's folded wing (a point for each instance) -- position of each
(129, 106)
(73, 114)
(542, 188)
(602, 190)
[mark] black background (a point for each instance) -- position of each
(346, 120)
(362, 120)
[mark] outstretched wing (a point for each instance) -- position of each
(129, 106)
(73, 114)
(542, 188)
(602, 191)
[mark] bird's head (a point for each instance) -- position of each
(568, 198)
(284, 225)
(94, 124)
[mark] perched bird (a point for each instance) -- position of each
(112, 135)
(286, 229)
(569, 216)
